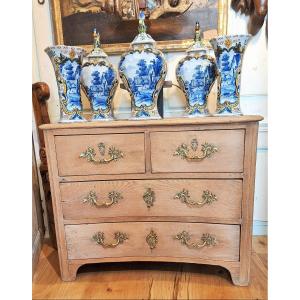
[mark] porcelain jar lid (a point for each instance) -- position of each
(143, 38)
(198, 46)
(97, 52)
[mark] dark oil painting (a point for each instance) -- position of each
(117, 20)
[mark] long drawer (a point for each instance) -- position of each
(197, 151)
(167, 239)
(100, 154)
(145, 198)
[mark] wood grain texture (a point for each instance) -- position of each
(150, 128)
(57, 209)
(149, 175)
(227, 205)
(228, 158)
(80, 244)
(238, 138)
(162, 122)
(150, 280)
(247, 203)
(69, 148)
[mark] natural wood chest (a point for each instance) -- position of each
(178, 190)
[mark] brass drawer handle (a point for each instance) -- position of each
(120, 237)
(207, 198)
(114, 154)
(206, 240)
(152, 239)
(207, 150)
(149, 197)
(92, 199)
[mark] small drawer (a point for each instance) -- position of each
(218, 199)
(197, 151)
(100, 154)
(153, 239)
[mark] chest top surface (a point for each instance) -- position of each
(162, 122)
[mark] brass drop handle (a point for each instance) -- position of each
(114, 154)
(206, 240)
(120, 237)
(207, 150)
(207, 198)
(92, 199)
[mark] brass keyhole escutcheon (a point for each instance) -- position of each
(149, 197)
(152, 239)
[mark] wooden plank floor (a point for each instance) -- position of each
(149, 280)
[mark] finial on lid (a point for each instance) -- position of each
(97, 52)
(198, 45)
(142, 26)
(142, 38)
(96, 36)
(197, 37)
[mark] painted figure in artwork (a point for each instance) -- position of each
(71, 73)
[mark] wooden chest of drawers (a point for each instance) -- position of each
(178, 190)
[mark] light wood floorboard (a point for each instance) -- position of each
(150, 280)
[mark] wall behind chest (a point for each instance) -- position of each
(253, 89)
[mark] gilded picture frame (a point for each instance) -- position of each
(88, 11)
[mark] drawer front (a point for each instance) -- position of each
(148, 198)
(155, 239)
(100, 154)
(197, 151)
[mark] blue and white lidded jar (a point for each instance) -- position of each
(99, 82)
(196, 74)
(143, 71)
(66, 61)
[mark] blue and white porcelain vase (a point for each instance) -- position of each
(229, 51)
(67, 61)
(99, 82)
(196, 74)
(143, 71)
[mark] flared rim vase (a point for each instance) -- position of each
(67, 62)
(229, 51)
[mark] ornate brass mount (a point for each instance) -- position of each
(206, 240)
(152, 239)
(120, 237)
(185, 153)
(92, 199)
(114, 154)
(73, 112)
(149, 197)
(233, 107)
(207, 198)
